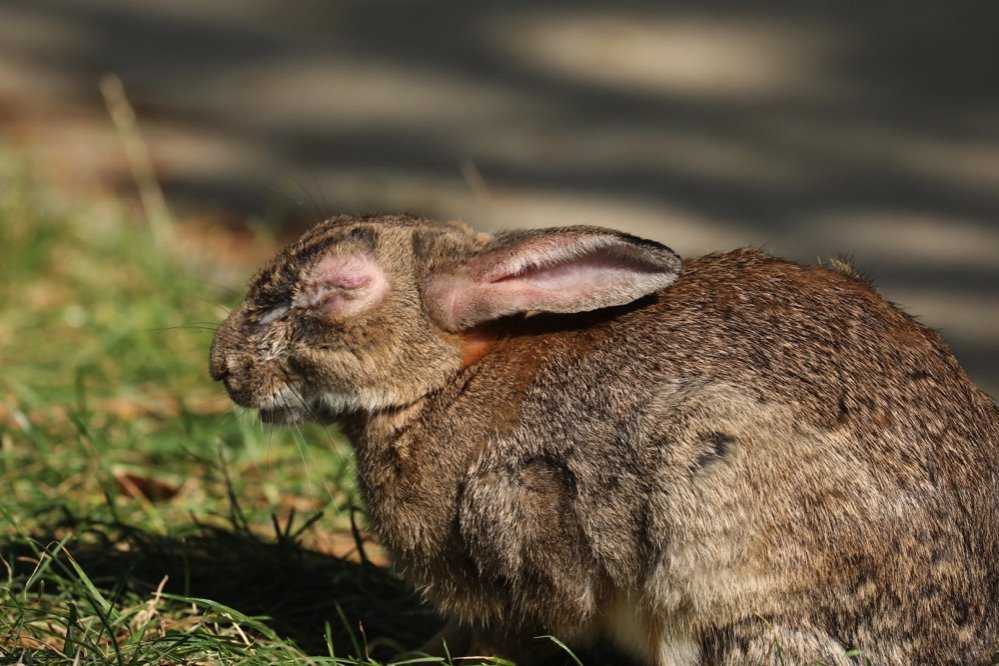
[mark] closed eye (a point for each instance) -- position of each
(272, 315)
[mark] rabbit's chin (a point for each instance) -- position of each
(283, 416)
(291, 416)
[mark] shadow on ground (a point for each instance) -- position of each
(300, 591)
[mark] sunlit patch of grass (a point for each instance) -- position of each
(105, 592)
(103, 341)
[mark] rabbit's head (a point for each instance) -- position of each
(363, 314)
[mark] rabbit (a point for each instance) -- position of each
(571, 431)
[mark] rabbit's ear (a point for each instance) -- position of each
(569, 269)
(342, 285)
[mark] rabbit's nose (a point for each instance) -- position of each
(225, 350)
(218, 366)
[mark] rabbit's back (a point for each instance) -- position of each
(821, 340)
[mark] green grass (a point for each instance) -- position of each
(142, 519)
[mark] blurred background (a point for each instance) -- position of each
(811, 129)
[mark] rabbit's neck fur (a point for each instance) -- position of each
(403, 462)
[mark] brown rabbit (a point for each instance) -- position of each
(558, 433)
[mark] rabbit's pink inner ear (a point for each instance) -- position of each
(556, 273)
(343, 285)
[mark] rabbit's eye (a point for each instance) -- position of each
(272, 315)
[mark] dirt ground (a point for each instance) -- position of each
(812, 129)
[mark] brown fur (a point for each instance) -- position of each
(762, 462)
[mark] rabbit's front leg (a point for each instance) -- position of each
(518, 523)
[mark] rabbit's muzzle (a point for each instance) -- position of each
(238, 382)
(260, 372)
(248, 380)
